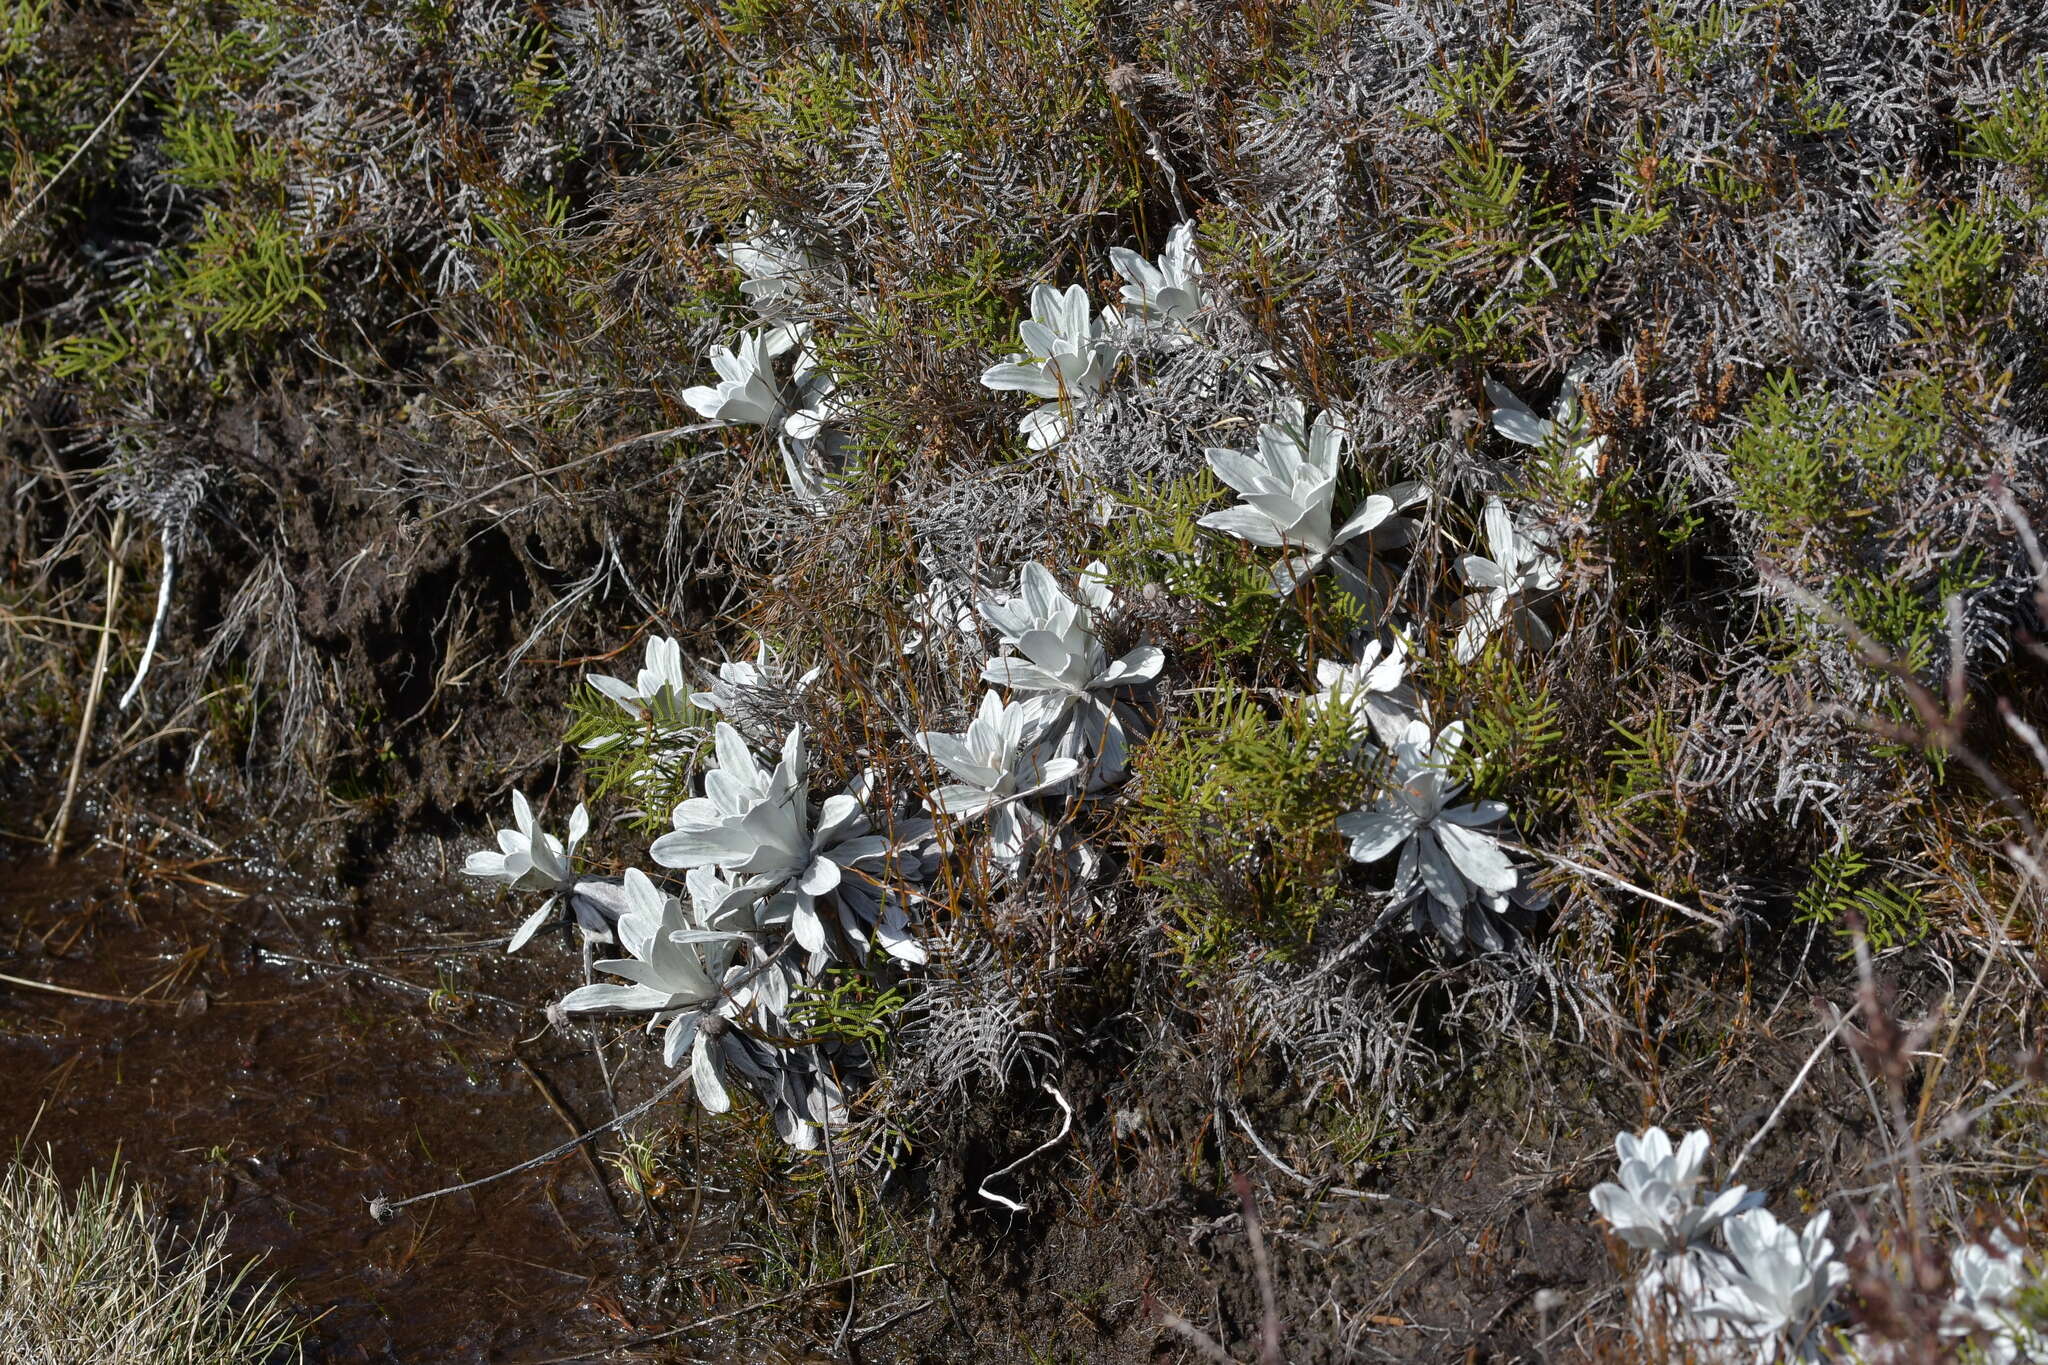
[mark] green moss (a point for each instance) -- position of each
(1313, 23)
(1234, 616)
(207, 152)
(1644, 766)
(1237, 801)
(1815, 470)
(245, 275)
(811, 95)
(1691, 39)
(2014, 130)
(54, 86)
(1948, 277)
(1831, 483)
(1471, 93)
(524, 259)
(1842, 894)
(852, 1007)
(1513, 734)
(1487, 213)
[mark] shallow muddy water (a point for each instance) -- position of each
(233, 1079)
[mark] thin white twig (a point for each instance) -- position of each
(156, 627)
(1700, 915)
(90, 138)
(382, 1209)
(1791, 1090)
(1066, 1126)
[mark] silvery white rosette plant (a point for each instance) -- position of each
(1521, 570)
(777, 267)
(995, 767)
(1067, 360)
(1453, 873)
(1289, 488)
(1566, 432)
(812, 440)
(531, 859)
(943, 615)
(683, 973)
(1372, 689)
(1653, 1202)
(755, 695)
(1990, 1275)
(658, 693)
(1168, 290)
(819, 873)
(748, 392)
(1053, 659)
(1765, 1294)
(673, 711)
(807, 413)
(1778, 1294)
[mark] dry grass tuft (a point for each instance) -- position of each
(96, 1278)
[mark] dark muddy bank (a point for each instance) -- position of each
(233, 1078)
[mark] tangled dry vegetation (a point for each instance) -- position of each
(1695, 352)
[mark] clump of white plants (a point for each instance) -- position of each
(748, 392)
(994, 769)
(806, 412)
(658, 693)
(770, 887)
(942, 615)
(779, 889)
(1053, 659)
(1653, 1203)
(777, 267)
(1764, 1293)
(752, 694)
(1372, 690)
(815, 873)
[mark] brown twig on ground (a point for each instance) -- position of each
(26, 984)
(547, 1092)
(717, 1318)
(1262, 1271)
(92, 696)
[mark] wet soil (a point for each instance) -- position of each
(234, 1079)
(1449, 1253)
